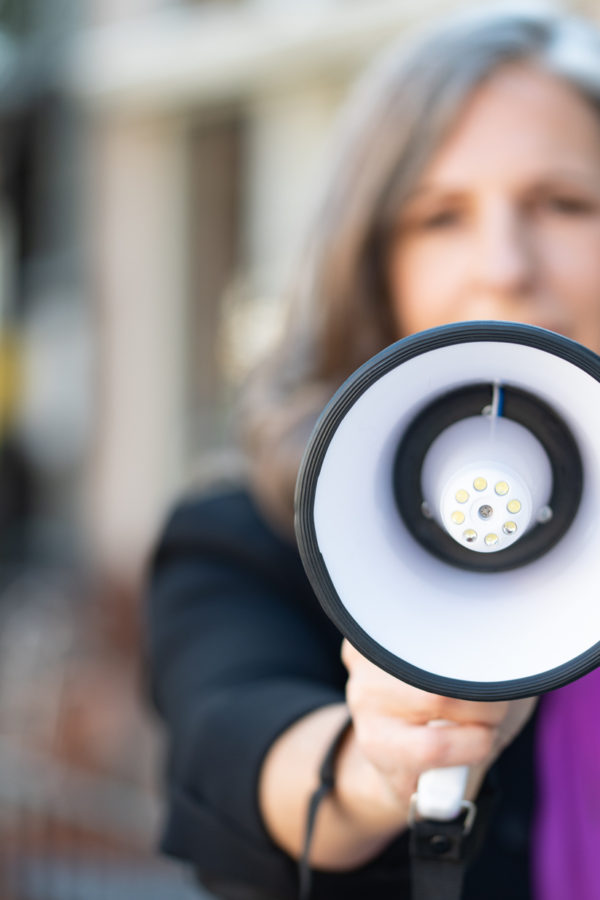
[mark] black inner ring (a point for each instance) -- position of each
(535, 415)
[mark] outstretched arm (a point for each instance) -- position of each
(387, 748)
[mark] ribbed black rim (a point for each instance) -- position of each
(310, 468)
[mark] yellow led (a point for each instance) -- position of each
(509, 527)
(470, 535)
(480, 484)
(491, 539)
(501, 488)
(458, 517)
(514, 506)
(461, 496)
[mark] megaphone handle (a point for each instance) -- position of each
(441, 792)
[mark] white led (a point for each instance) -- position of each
(488, 466)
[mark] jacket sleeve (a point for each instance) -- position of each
(239, 649)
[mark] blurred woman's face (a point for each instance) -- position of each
(505, 221)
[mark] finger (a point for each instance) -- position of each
(397, 746)
(370, 686)
(352, 657)
(387, 695)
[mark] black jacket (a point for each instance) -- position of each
(239, 649)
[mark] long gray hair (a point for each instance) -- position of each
(398, 116)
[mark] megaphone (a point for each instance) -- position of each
(448, 515)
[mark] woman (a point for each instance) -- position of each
(466, 186)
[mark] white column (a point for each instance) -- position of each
(288, 136)
(138, 252)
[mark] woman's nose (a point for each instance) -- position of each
(504, 260)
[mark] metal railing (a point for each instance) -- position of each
(79, 813)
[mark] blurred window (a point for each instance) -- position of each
(18, 16)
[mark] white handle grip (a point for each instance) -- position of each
(441, 792)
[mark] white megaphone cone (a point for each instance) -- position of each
(447, 513)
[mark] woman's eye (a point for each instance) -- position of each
(443, 219)
(571, 206)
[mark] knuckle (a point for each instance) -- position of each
(367, 737)
(483, 744)
(347, 653)
(352, 693)
(435, 746)
(499, 711)
(443, 707)
(404, 785)
(357, 693)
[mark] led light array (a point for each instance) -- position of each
(486, 509)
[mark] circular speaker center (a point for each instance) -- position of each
(484, 490)
(485, 479)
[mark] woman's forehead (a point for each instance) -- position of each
(521, 117)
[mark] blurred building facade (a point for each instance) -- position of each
(209, 124)
(164, 157)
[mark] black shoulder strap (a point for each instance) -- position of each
(326, 783)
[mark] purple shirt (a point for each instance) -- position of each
(566, 834)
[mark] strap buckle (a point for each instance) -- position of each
(467, 809)
(439, 851)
